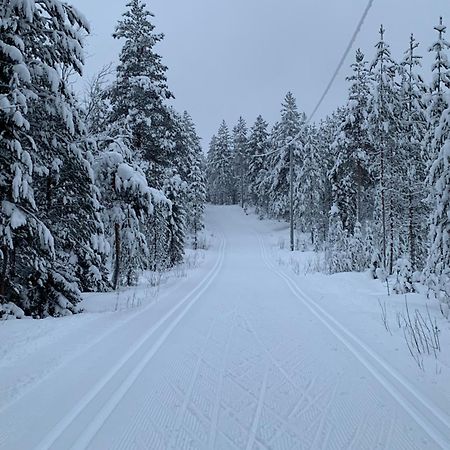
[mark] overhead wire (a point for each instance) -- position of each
(342, 60)
(334, 76)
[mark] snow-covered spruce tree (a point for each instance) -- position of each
(309, 187)
(327, 132)
(211, 194)
(140, 91)
(360, 249)
(175, 191)
(383, 125)
(438, 263)
(196, 189)
(221, 180)
(412, 172)
(285, 137)
(435, 101)
(158, 232)
(350, 175)
(156, 133)
(45, 170)
(240, 156)
(258, 148)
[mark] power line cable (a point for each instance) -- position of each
(342, 61)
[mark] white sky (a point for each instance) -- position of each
(239, 57)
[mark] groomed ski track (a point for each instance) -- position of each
(244, 360)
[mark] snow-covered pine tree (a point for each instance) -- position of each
(258, 148)
(350, 175)
(240, 156)
(438, 263)
(45, 170)
(285, 137)
(383, 125)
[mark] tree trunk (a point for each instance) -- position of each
(195, 234)
(242, 187)
(291, 196)
(358, 193)
(4, 272)
(412, 244)
(391, 235)
(383, 206)
(117, 261)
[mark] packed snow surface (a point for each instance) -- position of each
(249, 351)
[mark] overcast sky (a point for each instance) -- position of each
(239, 57)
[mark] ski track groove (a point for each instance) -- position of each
(260, 405)
(67, 420)
(83, 350)
(218, 400)
(304, 393)
(296, 409)
(271, 357)
(89, 434)
(370, 360)
(188, 396)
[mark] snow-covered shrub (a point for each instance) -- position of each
(203, 242)
(10, 311)
(403, 276)
(358, 252)
(375, 265)
(337, 254)
(295, 265)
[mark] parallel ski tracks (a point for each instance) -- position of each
(166, 326)
(428, 416)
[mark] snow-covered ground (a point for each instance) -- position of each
(250, 350)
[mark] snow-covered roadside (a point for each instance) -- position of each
(30, 350)
(356, 303)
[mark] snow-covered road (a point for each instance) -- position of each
(244, 360)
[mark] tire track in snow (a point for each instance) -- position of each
(83, 441)
(437, 429)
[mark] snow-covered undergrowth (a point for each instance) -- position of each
(147, 290)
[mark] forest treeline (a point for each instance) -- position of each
(95, 188)
(371, 181)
